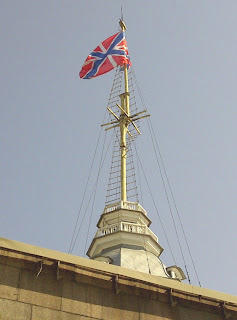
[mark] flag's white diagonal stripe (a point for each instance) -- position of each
(114, 64)
(102, 48)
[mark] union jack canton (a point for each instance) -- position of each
(111, 53)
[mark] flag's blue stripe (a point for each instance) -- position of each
(111, 52)
(102, 56)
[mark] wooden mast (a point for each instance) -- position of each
(123, 128)
(123, 121)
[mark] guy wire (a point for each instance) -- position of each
(154, 203)
(169, 186)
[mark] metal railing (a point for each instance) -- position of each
(135, 206)
(126, 227)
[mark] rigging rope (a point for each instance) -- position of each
(96, 184)
(154, 203)
(139, 182)
(84, 193)
(169, 186)
(175, 205)
(168, 201)
(114, 189)
(92, 164)
(116, 88)
(93, 191)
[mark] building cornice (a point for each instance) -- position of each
(124, 278)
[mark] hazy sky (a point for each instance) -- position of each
(184, 56)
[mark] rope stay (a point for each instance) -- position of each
(77, 228)
(154, 203)
(168, 201)
(114, 175)
(114, 179)
(85, 190)
(174, 202)
(164, 177)
(103, 157)
(114, 189)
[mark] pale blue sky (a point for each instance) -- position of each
(184, 55)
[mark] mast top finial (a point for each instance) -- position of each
(122, 25)
(121, 22)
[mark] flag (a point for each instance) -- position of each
(111, 53)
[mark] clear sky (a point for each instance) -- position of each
(184, 56)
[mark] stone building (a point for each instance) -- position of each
(42, 284)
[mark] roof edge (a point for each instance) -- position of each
(33, 250)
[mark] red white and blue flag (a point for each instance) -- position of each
(111, 53)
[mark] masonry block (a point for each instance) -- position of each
(40, 313)
(9, 277)
(155, 310)
(13, 310)
(44, 290)
(82, 299)
(120, 306)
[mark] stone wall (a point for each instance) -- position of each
(40, 287)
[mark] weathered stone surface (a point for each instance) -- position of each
(154, 310)
(40, 313)
(9, 277)
(44, 290)
(194, 314)
(95, 291)
(120, 306)
(13, 310)
(82, 299)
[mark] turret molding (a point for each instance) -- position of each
(123, 225)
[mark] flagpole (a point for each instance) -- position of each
(123, 121)
(123, 128)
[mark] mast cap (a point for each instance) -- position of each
(122, 25)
